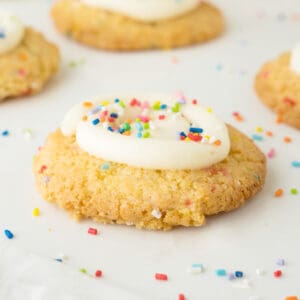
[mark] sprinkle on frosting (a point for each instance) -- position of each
(101, 126)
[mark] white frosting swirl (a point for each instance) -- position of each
(295, 59)
(11, 31)
(147, 10)
(173, 133)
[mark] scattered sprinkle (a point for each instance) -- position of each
(5, 133)
(271, 153)
(8, 234)
(93, 231)
(196, 269)
(294, 191)
(280, 262)
(181, 297)
(257, 137)
(230, 276)
(83, 270)
(220, 272)
(36, 212)
(277, 273)
(238, 274)
(260, 272)
(98, 273)
(160, 276)
(237, 116)
(287, 139)
(58, 260)
(278, 192)
(291, 298)
(295, 164)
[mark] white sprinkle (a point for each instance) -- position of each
(260, 272)
(156, 213)
(27, 133)
(196, 269)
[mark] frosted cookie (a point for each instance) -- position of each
(153, 162)
(27, 60)
(278, 86)
(137, 24)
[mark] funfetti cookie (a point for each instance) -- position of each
(138, 24)
(27, 60)
(278, 86)
(151, 161)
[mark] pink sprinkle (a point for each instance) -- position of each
(144, 119)
(145, 104)
(93, 231)
(265, 74)
(271, 153)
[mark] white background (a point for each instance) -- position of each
(219, 74)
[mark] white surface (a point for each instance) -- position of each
(255, 236)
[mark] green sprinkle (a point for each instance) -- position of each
(146, 126)
(146, 135)
(294, 191)
(122, 104)
(176, 107)
(83, 270)
(126, 126)
(137, 120)
(156, 105)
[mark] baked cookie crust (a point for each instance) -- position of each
(74, 180)
(25, 69)
(279, 88)
(100, 28)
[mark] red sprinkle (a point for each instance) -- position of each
(159, 276)
(43, 169)
(93, 231)
(277, 273)
(111, 120)
(289, 101)
(181, 297)
(161, 117)
(98, 273)
(195, 102)
(194, 137)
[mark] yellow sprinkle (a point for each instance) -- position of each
(187, 139)
(36, 212)
(209, 110)
(104, 103)
(259, 129)
(137, 120)
(207, 137)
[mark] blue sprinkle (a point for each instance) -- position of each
(117, 100)
(121, 130)
(280, 262)
(5, 133)
(230, 276)
(182, 134)
(58, 259)
(196, 130)
(257, 137)
(105, 166)
(114, 115)
(110, 128)
(220, 272)
(139, 135)
(197, 266)
(95, 110)
(8, 234)
(296, 164)
(96, 121)
(238, 274)
(163, 106)
(2, 34)
(139, 126)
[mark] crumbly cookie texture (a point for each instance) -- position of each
(150, 199)
(279, 88)
(100, 28)
(25, 69)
